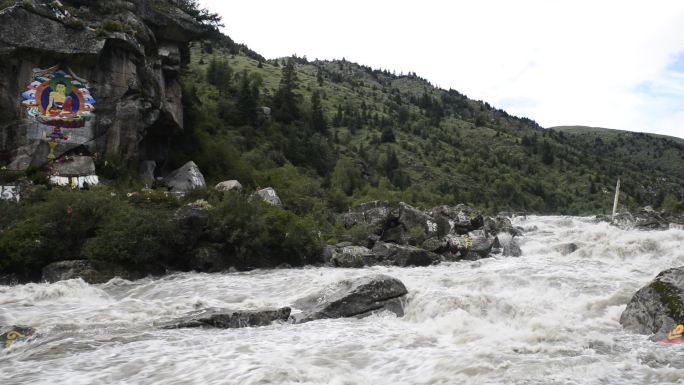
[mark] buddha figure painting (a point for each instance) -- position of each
(58, 98)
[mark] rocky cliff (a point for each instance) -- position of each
(120, 62)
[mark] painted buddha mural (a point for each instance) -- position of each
(57, 100)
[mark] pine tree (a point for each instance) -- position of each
(318, 122)
(286, 101)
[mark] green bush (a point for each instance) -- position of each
(258, 234)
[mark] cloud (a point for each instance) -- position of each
(615, 64)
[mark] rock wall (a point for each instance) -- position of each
(130, 54)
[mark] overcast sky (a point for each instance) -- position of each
(615, 64)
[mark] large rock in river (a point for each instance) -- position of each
(224, 318)
(657, 307)
(356, 297)
(399, 255)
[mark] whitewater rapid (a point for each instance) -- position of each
(543, 318)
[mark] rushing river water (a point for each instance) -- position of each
(543, 318)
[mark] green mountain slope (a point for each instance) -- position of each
(397, 137)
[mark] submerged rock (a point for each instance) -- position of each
(225, 318)
(356, 297)
(657, 307)
(90, 271)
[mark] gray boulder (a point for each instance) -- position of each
(90, 271)
(411, 226)
(268, 195)
(462, 219)
(358, 297)
(374, 214)
(225, 318)
(228, 185)
(657, 307)
(509, 245)
(184, 179)
(567, 248)
(352, 256)
(400, 255)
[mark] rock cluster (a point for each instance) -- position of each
(407, 236)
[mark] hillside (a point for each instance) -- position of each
(397, 137)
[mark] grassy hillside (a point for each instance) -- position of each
(397, 137)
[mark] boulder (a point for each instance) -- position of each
(481, 243)
(657, 307)
(509, 245)
(357, 297)
(228, 319)
(567, 248)
(374, 214)
(352, 256)
(90, 271)
(462, 219)
(228, 185)
(11, 334)
(268, 195)
(184, 179)
(400, 255)
(410, 217)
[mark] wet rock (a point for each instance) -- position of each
(327, 255)
(226, 319)
(228, 185)
(500, 224)
(12, 334)
(90, 271)
(509, 246)
(567, 248)
(657, 307)
(481, 243)
(356, 297)
(410, 226)
(268, 195)
(352, 256)
(184, 179)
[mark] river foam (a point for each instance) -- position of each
(548, 317)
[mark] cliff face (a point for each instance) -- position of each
(119, 62)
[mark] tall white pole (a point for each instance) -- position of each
(617, 195)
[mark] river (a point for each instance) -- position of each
(543, 318)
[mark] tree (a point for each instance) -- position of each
(286, 101)
(346, 176)
(387, 135)
(220, 74)
(319, 76)
(247, 101)
(547, 153)
(318, 122)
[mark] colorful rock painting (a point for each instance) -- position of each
(60, 100)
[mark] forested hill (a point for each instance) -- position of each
(340, 133)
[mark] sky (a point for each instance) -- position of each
(602, 63)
